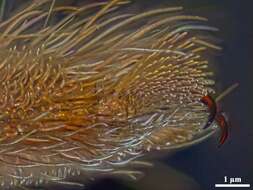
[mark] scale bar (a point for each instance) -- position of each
(232, 185)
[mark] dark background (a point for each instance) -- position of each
(203, 165)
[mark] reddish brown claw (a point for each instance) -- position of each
(224, 128)
(214, 115)
(211, 104)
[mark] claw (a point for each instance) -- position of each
(221, 120)
(211, 104)
(217, 116)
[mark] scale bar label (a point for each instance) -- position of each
(232, 185)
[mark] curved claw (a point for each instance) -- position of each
(218, 117)
(211, 104)
(221, 120)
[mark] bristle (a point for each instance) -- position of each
(91, 92)
(2, 8)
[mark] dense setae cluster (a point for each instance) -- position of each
(89, 89)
